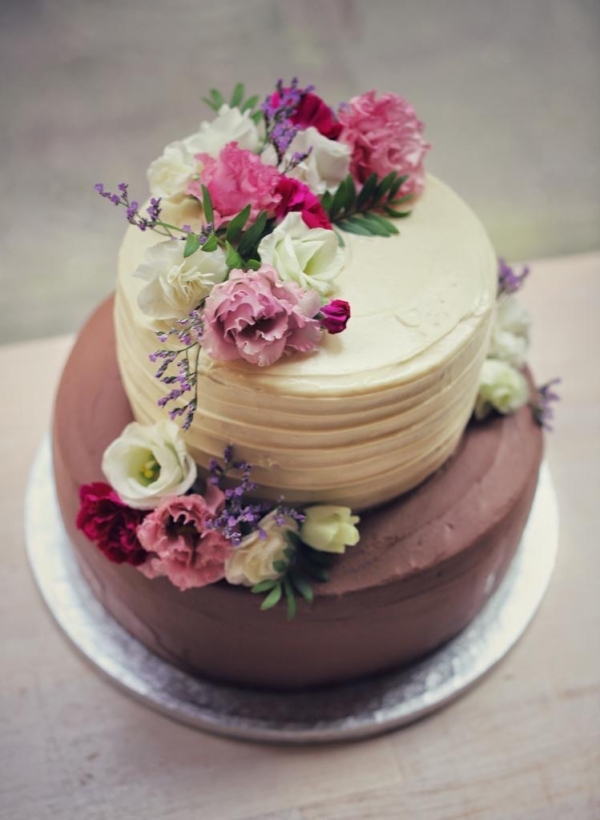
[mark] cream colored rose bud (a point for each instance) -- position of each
(329, 528)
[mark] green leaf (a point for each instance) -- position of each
(326, 201)
(211, 244)
(350, 192)
(252, 264)
(291, 599)
(236, 225)
(237, 95)
(272, 598)
(207, 205)
(289, 553)
(303, 586)
(215, 101)
(251, 238)
(352, 225)
(396, 214)
(339, 200)
(367, 191)
(210, 103)
(192, 243)
(256, 117)
(386, 183)
(319, 573)
(380, 222)
(340, 238)
(232, 258)
(263, 586)
(250, 103)
(280, 566)
(402, 200)
(325, 559)
(396, 186)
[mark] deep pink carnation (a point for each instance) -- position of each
(312, 110)
(296, 196)
(385, 135)
(235, 179)
(182, 547)
(257, 317)
(108, 521)
(335, 316)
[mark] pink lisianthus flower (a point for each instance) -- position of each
(334, 316)
(257, 317)
(181, 544)
(296, 196)
(385, 135)
(108, 521)
(235, 179)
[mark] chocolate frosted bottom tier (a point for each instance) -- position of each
(425, 565)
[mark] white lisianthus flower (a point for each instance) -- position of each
(510, 333)
(327, 164)
(176, 285)
(147, 463)
(252, 562)
(501, 387)
(329, 528)
(169, 175)
(312, 257)
(230, 125)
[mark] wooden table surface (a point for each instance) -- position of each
(524, 744)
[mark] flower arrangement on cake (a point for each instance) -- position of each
(252, 277)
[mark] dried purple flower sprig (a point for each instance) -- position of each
(541, 404)
(184, 361)
(509, 281)
(241, 516)
(277, 110)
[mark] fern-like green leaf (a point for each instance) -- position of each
(252, 236)
(396, 214)
(263, 586)
(249, 104)
(237, 95)
(237, 224)
(272, 598)
(380, 223)
(352, 225)
(366, 193)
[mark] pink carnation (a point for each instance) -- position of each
(385, 135)
(235, 179)
(257, 317)
(296, 196)
(181, 544)
(108, 521)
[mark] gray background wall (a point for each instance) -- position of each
(91, 91)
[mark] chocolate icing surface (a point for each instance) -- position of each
(426, 562)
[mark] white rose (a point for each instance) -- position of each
(175, 285)
(253, 560)
(510, 334)
(230, 125)
(312, 257)
(501, 387)
(327, 164)
(329, 528)
(147, 463)
(169, 175)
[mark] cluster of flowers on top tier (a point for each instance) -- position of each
(503, 386)
(271, 188)
(156, 515)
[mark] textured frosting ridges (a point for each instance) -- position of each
(381, 406)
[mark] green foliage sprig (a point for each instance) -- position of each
(236, 100)
(366, 212)
(300, 568)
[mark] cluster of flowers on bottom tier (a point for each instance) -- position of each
(503, 385)
(153, 516)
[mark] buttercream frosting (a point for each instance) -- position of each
(373, 411)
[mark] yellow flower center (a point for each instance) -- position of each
(150, 471)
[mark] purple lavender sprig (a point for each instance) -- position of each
(509, 281)
(278, 109)
(178, 368)
(239, 516)
(541, 405)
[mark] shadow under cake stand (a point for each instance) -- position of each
(343, 712)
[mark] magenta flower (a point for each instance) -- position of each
(334, 316)
(308, 109)
(182, 545)
(257, 317)
(385, 135)
(108, 521)
(235, 179)
(296, 196)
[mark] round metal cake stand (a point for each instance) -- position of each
(349, 711)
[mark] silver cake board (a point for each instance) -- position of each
(344, 712)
